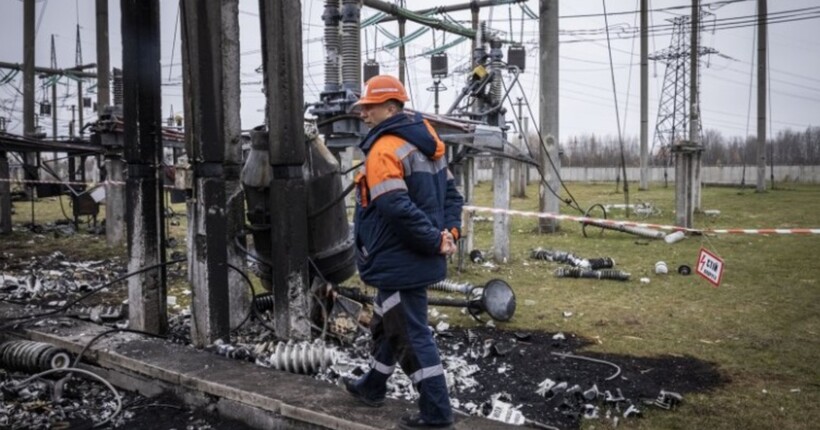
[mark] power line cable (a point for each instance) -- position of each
(617, 114)
(569, 202)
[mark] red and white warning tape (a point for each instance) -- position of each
(644, 225)
(46, 181)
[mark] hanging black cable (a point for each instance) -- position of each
(569, 202)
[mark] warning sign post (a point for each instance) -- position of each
(710, 267)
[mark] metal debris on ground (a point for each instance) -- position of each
(32, 356)
(572, 259)
(296, 357)
(577, 272)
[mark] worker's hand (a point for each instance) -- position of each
(448, 243)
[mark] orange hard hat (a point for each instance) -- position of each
(382, 88)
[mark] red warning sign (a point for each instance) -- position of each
(710, 267)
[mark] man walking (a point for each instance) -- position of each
(408, 216)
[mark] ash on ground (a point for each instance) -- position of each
(77, 403)
(523, 377)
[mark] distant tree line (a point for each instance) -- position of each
(788, 147)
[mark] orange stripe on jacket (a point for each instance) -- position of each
(384, 168)
(440, 148)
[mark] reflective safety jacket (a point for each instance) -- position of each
(405, 197)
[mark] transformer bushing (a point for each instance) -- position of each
(351, 46)
(341, 91)
(496, 66)
(330, 239)
(480, 51)
(331, 19)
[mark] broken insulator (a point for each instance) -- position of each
(577, 272)
(231, 351)
(301, 357)
(263, 302)
(451, 286)
(548, 255)
(601, 263)
(32, 356)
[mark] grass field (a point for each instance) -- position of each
(760, 327)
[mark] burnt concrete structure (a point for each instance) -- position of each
(282, 65)
(207, 91)
(143, 148)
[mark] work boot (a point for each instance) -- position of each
(412, 422)
(353, 390)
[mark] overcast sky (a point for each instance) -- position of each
(586, 96)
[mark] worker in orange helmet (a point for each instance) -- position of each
(408, 217)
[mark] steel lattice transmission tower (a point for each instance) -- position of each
(672, 123)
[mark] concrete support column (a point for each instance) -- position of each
(114, 199)
(501, 200)
(235, 204)
(281, 24)
(143, 149)
(548, 35)
(202, 24)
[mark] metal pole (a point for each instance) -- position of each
(644, 185)
(30, 158)
(103, 62)
(207, 241)
(28, 69)
(281, 24)
(402, 54)
(114, 166)
(466, 244)
(548, 35)
(80, 108)
(142, 114)
(761, 94)
(53, 96)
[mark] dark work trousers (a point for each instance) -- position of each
(400, 333)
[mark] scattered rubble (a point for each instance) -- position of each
(515, 377)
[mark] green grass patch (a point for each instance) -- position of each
(760, 326)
